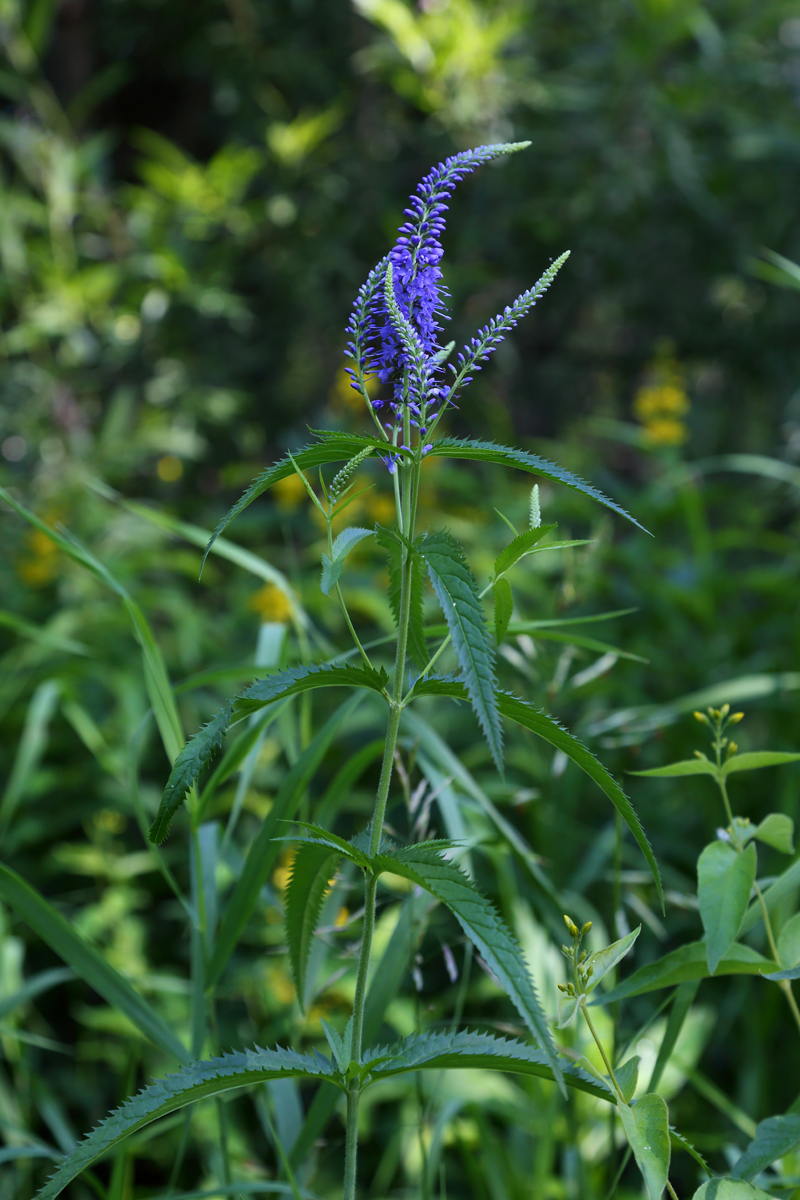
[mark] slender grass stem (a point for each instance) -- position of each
(784, 984)
(601, 1048)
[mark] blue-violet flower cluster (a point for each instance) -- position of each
(396, 319)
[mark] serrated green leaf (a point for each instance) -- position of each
(475, 1051)
(87, 962)
(506, 456)
(198, 1081)
(316, 835)
(777, 830)
(603, 961)
(682, 965)
(729, 1189)
(691, 766)
(577, 639)
(187, 769)
(515, 549)
(481, 922)
(331, 447)
(646, 1125)
(343, 544)
(774, 1137)
(725, 879)
(457, 594)
(548, 729)
(264, 848)
(503, 608)
(309, 883)
(754, 760)
(303, 679)
(682, 1143)
(391, 541)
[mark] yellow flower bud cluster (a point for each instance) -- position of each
(661, 404)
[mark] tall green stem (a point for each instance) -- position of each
(406, 515)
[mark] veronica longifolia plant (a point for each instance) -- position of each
(395, 333)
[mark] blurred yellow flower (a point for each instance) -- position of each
(662, 401)
(289, 492)
(40, 565)
(343, 395)
(169, 468)
(271, 603)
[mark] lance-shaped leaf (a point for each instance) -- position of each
(682, 965)
(545, 727)
(503, 608)
(187, 769)
(457, 594)
(199, 1081)
(308, 885)
(774, 1137)
(676, 770)
(506, 456)
(646, 1125)
(477, 1051)
(515, 549)
(729, 1189)
(725, 879)
(87, 962)
(332, 565)
(783, 886)
(393, 544)
(304, 679)
(754, 760)
(265, 846)
(603, 961)
(330, 448)
(485, 928)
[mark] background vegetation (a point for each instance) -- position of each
(191, 194)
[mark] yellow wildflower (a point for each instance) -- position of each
(289, 492)
(271, 603)
(343, 395)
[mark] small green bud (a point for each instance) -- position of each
(585, 928)
(701, 717)
(732, 748)
(572, 928)
(735, 718)
(699, 754)
(723, 712)
(590, 971)
(562, 987)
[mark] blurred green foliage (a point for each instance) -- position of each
(190, 196)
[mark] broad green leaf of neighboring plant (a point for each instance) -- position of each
(683, 965)
(776, 830)
(457, 594)
(515, 549)
(725, 879)
(548, 729)
(789, 942)
(308, 885)
(603, 961)
(330, 448)
(627, 1076)
(729, 1189)
(391, 542)
(198, 1081)
(332, 566)
(485, 928)
(506, 456)
(646, 1125)
(478, 1051)
(187, 769)
(774, 1137)
(567, 1010)
(691, 766)
(754, 760)
(503, 608)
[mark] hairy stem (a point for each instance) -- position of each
(406, 512)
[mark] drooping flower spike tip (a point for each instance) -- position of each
(395, 322)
